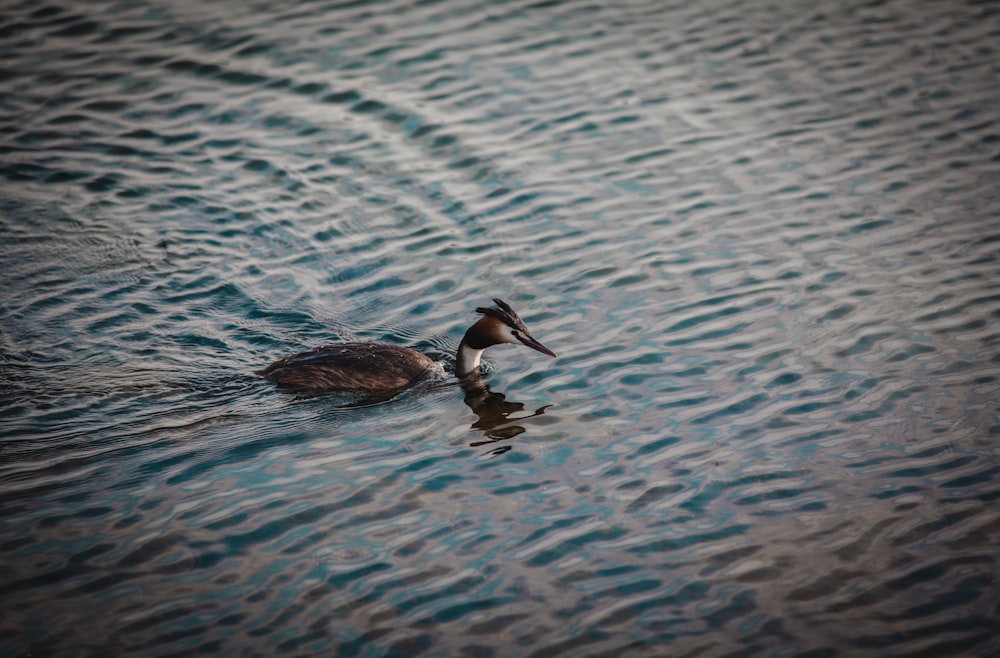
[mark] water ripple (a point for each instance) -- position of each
(762, 241)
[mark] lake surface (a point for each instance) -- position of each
(763, 238)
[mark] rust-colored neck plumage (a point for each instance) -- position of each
(470, 351)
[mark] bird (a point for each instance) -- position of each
(382, 369)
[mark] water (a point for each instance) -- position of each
(763, 239)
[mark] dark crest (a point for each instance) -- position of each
(503, 312)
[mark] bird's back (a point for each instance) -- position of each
(364, 367)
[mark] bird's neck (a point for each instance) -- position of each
(467, 360)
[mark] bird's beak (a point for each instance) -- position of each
(535, 345)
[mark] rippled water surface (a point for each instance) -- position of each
(764, 239)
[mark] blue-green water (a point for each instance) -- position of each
(764, 240)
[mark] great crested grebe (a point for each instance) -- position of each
(380, 369)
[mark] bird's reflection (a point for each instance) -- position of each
(495, 412)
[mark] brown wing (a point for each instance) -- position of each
(349, 367)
